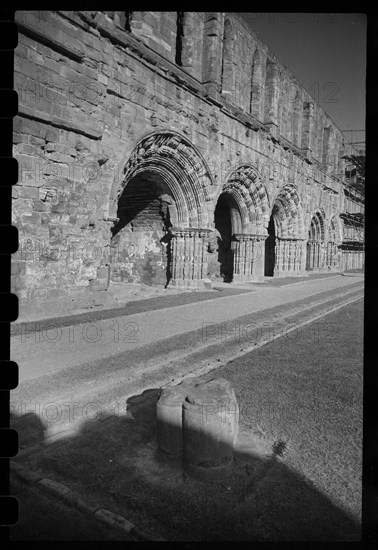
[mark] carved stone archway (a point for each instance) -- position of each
(249, 212)
(173, 158)
(334, 237)
(173, 167)
(288, 236)
(316, 245)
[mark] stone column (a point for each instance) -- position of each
(189, 258)
(322, 255)
(258, 256)
(237, 250)
(210, 420)
(248, 257)
(278, 257)
(301, 255)
(328, 254)
(290, 257)
(334, 259)
(331, 255)
(311, 255)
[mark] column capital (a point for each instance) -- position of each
(249, 237)
(294, 239)
(180, 231)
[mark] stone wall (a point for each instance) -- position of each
(106, 98)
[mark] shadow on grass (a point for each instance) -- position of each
(114, 461)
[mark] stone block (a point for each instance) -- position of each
(28, 192)
(40, 206)
(34, 218)
(52, 135)
(210, 430)
(169, 420)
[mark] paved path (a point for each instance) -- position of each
(306, 396)
(49, 351)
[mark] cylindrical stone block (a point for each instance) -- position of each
(169, 420)
(169, 417)
(210, 430)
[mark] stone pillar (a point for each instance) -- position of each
(290, 257)
(189, 258)
(258, 256)
(277, 256)
(328, 255)
(317, 255)
(238, 245)
(335, 258)
(331, 256)
(248, 257)
(210, 429)
(322, 255)
(311, 252)
(301, 255)
(169, 417)
(169, 420)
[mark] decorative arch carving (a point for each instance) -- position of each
(168, 157)
(245, 187)
(288, 214)
(317, 223)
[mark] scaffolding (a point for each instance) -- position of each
(356, 144)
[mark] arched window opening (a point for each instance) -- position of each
(315, 241)
(296, 133)
(128, 19)
(212, 50)
(227, 81)
(326, 157)
(179, 37)
(256, 85)
(272, 91)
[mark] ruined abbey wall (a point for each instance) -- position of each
(165, 147)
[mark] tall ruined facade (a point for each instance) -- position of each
(168, 148)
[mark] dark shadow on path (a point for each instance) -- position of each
(114, 461)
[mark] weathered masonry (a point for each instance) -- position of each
(168, 148)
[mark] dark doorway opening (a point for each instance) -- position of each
(270, 255)
(140, 246)
(222, 219)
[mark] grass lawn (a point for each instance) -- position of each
(306, 390)
(300, 403)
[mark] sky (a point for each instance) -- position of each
(327, 53)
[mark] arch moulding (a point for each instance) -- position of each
(173, 159)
